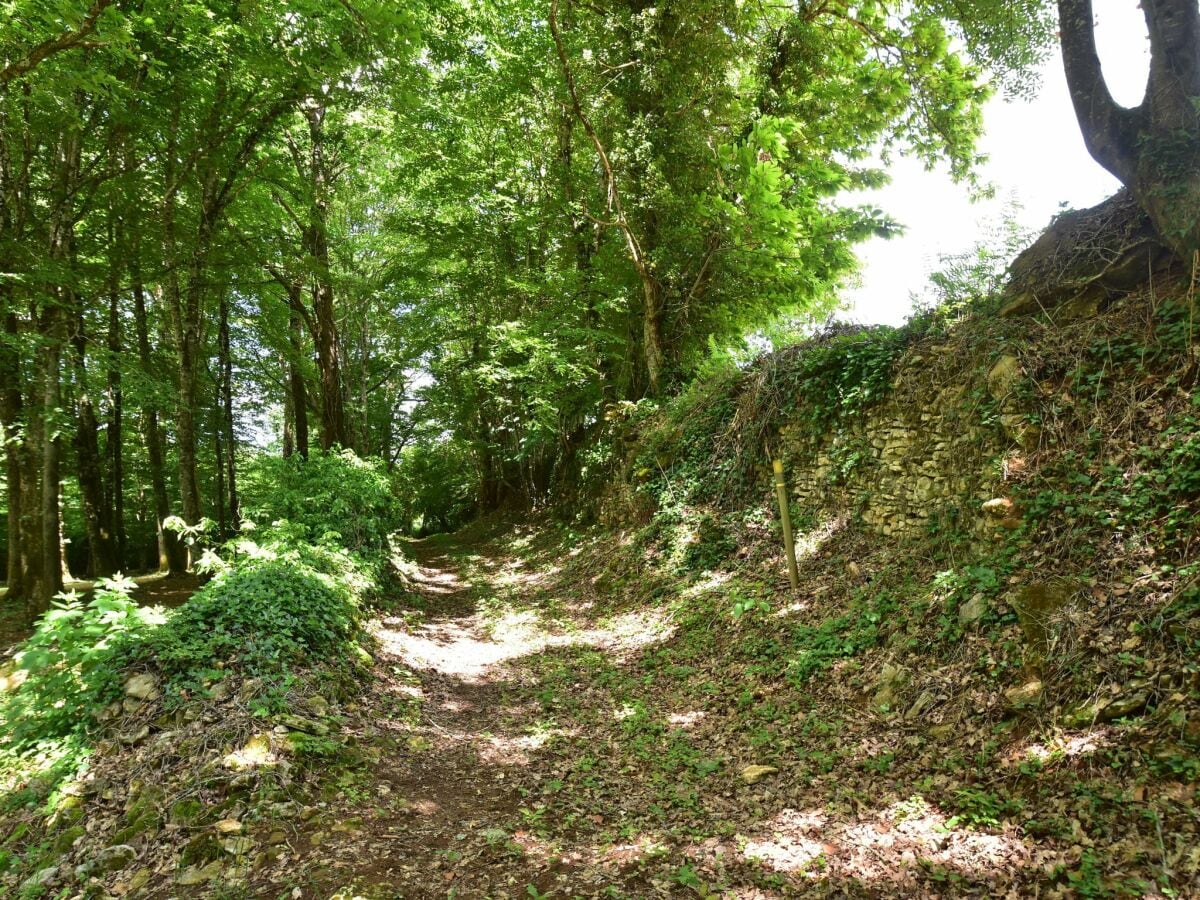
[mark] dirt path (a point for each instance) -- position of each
(451, 781)
(528, 735)
(438, 812)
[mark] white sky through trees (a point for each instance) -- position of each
(1036, 156)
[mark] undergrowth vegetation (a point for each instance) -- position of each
(286, 598)
(1053, 603)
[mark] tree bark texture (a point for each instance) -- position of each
(1154, 148)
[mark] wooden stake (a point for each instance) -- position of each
(785, 516)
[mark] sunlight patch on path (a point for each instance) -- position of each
(436, 581)
(447, 648)
(455, 648)
(879, 848)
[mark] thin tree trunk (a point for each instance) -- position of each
(185, 425)
(653, 344)
(186, 305)
(185, 412)
(333, 419)
(19, 428)
(289, 415)
(653, 308)
(52, 327)
(323, 321)
(298, 390)
(30, 458)
(51, 576)
(10, 420)
(218, 454)
(116, 425)
(87, 457)
(225, 380)
(170, 556)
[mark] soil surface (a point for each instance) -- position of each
(526, 738)
(447, 806)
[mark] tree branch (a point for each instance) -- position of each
(610, 179)
(1108, 128)
(69, 41)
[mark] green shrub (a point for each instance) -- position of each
(290, 598)
(330, 496)
(262, 615)
(70, 663)
(271, 607)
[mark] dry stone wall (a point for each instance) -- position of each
(932, 450)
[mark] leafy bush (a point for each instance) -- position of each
(263, 615)
(273, 605)
(70, 664)
(329, 495)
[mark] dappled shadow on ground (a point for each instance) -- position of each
(525, 755)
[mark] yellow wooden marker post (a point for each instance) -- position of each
(789, 544)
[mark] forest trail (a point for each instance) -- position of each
(446, 778)
(446, 806)
(531, 733)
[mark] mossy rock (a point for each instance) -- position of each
(110, 859)
(201, 849)
(65, 840)
(140, 879)
(299, 723)
(69, 812)
(188, 812)
(1039, 607)
(218, 810)
(142, 801)
(149, 822)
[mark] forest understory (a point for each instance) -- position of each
(541, 707)
(545, 716)
(985, 684)
(433, 466)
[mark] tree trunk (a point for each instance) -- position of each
(101, 560)
(333, 419)
(1153, 149)
(289, 418)
(325, 333)
(652, 336)
(1168, 177)
(50, 581)
(185, 432)
(218, 455)
(170, 555)
(30, 459)
(187, 311)
(226, 429)
(653, 343)
(297, 390)
(10, 424)
(59, 298)
(116, 426)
